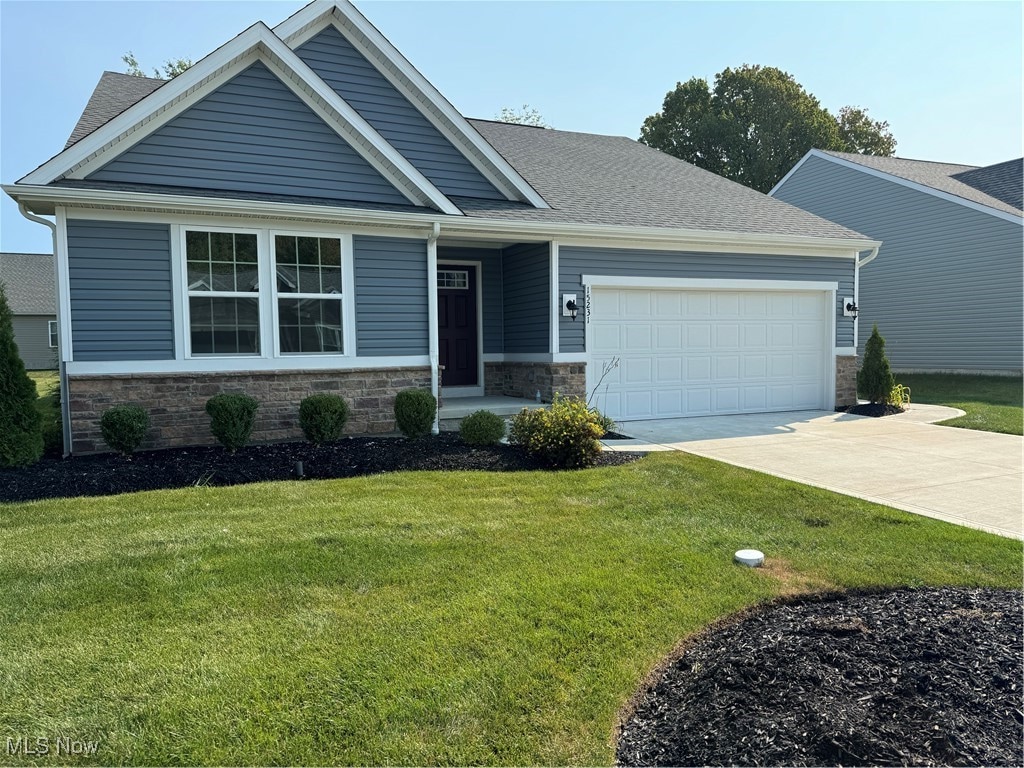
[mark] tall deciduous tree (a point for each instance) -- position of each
(171, 69)
(526, 115)
(755, 124)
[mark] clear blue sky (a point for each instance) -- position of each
(946, 75)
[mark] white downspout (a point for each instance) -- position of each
(856, 292)
(432, 318)
(65, 413)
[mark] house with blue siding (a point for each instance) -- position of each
(947, 289)
(301, 211)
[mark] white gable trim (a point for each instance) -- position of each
(257, 43)
(365, 37)
(948, 196)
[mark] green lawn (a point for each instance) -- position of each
(992, 403)
(413, 618)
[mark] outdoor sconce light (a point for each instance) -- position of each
(570, 307)
(850, 308)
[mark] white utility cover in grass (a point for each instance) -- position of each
(703, 353)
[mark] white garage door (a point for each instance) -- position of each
(701, 353)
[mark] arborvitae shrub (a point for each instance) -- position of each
(21, 437)
(124, 428)
(322, 418)
(231, 419)
(874, 379)
(415, 410)
(482, 428)
(564, 436)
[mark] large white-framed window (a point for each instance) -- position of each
(222, 285)
(309, 293)
(51, 329)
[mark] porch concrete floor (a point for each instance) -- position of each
(460, 407)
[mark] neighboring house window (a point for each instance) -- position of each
(51, 326)
(223, 293)
(309, 294)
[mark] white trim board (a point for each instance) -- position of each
(41, 199)
(390, 62)
(701, 284)
(244, 364)
(947, 196)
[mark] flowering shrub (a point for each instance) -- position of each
(565, 436)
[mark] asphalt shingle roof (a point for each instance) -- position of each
(997, 186)
(114, 93)
(29, 283)
(585, 178)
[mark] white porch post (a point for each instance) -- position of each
(556, 302)
(432, 318)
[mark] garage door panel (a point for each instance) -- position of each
(727, 336)
(638, 337)
(668, 337)
(637, 304)
(726, 399)
(692, 353)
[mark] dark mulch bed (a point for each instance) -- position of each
(874, 409)
(104, 474)
(908, 677)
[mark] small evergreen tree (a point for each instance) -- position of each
(21, 435)
(874, 379)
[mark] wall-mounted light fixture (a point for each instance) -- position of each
(569, 308)
(850, 308)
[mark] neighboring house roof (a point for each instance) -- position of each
(585, 178)
(29, 283)
(996, 186)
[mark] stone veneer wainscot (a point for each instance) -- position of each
(177, 402)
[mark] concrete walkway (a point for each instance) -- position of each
(961, 476)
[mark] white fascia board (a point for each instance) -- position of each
(705, 284)
(41, 199)
(244, 364)
(256, 43)
(947, 196)
(368, 40)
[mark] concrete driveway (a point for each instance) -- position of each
(959, 475)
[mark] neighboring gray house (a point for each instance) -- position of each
(28, 279)
(946, 289)
(301, 211)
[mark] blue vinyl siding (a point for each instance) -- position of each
(121, 299)
(491, 290)
(391, 296)
(526, 279)
(575, 262)
(946, 287)
(252, 135)
(357, 81)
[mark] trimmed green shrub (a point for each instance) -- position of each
(124, 428)
(482, 428)
(415, 410)
(565, 436)
(874, 379)
(231, 419)
(322, 418)
(21, 437)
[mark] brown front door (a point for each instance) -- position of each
(456, 325)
